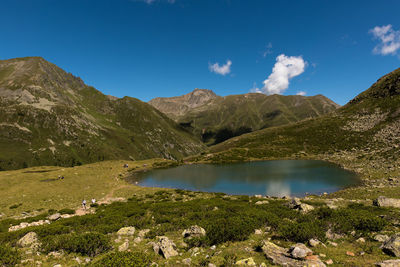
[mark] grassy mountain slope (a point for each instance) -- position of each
(51, 117)
(224, 117)
(366, 131)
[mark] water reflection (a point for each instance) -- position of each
(274, 178)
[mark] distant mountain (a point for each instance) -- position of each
(215, 118)
(49, 116)
(178, 106)
(364, 131)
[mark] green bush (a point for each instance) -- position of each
(15, 206)
(301, 232)
(66, 211)
(9, 256)
(370, 224)
(90, 244)
(229, 229)
(123, 259)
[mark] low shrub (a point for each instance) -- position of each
(66, 211)
(90, 244)
(301, 232)
(15, 206)
(226, 229)
(9, 256)
(123, 259)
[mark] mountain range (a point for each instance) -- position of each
(215, 119)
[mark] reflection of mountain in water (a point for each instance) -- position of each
(276, 178)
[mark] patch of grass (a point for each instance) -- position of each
(123, 259)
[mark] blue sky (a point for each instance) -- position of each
(150, 48)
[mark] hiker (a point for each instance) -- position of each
(93, 201)
(84, 204)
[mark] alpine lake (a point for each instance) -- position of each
(276, 178)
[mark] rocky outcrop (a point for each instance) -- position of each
(29, 240)
(389, 263)
(165, 247)
(25, 224)
(296, 204)
(126, 231)
(281, 256)
(193, 231)
(246, 262)
(124, 246)
(381, 238)
(387, 202)
(392, 246)
(54, 217)
(300, 251)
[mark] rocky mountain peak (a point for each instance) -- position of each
(179, 105)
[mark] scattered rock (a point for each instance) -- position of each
(126, 231)
(54, 217)
(246, 262)
(124, 246)
(349, 253)
(57, 265)
(56, 254)
(392, 246)
(193, 231)
(387, 202)
(262, 202)
(258, 232)
(360, 240)
(187, 261)
(333, 244)
(296, 204)
(212, 265)
(381, 238)
(25, 224)
(78, 260)
(333, 236)
(137, 239)
(142, 233)
(329, 262)
(213, 247)
(28, 240)
(165, 247)
(279, 256)
(389, 263)
(314, 242)
(300, 251)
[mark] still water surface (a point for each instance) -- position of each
(273, 178)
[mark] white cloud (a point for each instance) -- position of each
(301, 93)
(389, 40)
(223, 70)
(284, 69)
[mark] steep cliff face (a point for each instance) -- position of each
(49, 116)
